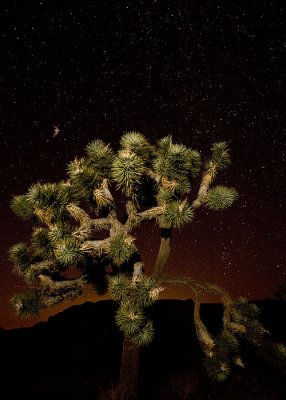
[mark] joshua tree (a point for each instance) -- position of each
(79, 239)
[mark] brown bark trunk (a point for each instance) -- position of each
(129, 372)
(164, 251)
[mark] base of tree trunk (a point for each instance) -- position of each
(129, 372)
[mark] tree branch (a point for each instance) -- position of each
(204, 186)
(164, 252)
(198, 287)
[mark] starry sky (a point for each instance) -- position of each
(201, 71)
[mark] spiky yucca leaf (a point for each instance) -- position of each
(147, 291)
(22, 207)
(145, 335)
(220, 197)
(51, 196)
(68, 251)
(76, 166)
(174, 162)
(244, 309)
(31, 276)
(101, 156)
(85, 181)
(59, 231)
(119, 287)
(183, 186)
(218, 369)
(226, 344)
(41, 244)
(27, 304)
(20, 255)
(160, 165)
(195, 162)
(179, 160)
(164, 143)
(220, 155)
(128, 170)
(129, 319)
(137, 143)
(255, 331)
(177, 214)
(121, 248)
(163, 196)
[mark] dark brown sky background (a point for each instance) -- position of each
(202, 71)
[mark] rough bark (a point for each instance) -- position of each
(129, 371)
(164, 251)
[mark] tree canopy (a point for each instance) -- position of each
(79, 239)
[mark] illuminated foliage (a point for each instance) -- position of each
(220, 197)
(85, 232)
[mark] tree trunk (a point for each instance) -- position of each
(129, 372)
(164, 251)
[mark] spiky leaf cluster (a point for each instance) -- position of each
(84, 179)
(41, 244)
(247, 313)
(59, 231)
(217, 369)
(68, 251)
(226, 344)
(176, 162)
(136, 143)
(129, 319)
(220, 197)
(225, 354)
(176, 214)
(145, 335)
(244, 309)
(119, 287)
(143, 294)
(146, 292)
(20, 255)
(164, 196)
(130, 316)
(121, 248)
(220, 155)
(27, 304)
(50, 197)
(22, 207)
(195, 163)
(101, 157)
(128, 171)
(76, 167)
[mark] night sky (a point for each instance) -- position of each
(202, 71)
